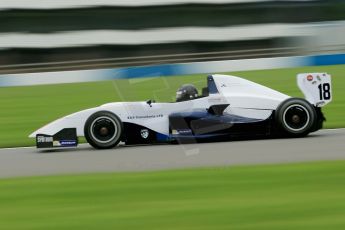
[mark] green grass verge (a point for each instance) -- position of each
(24, 109)
(292, 196)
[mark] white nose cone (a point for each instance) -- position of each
(50, 129)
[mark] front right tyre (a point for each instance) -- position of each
(103, 130)
(295, 117)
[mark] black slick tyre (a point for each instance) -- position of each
(295, 117)
(103, 130)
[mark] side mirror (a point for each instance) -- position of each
(149, 102)
(217, 110)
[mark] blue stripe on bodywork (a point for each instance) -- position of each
(226, 118)
(160, 137)
(212, 88)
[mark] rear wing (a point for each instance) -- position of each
(316, 87)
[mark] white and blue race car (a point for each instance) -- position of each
(229, 107)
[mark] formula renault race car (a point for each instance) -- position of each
(229, 107)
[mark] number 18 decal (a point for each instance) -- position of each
(325, 91)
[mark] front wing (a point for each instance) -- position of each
(65, 138)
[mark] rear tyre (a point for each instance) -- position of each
(103, 130)
(295, 117)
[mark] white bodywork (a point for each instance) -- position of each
(246, 99)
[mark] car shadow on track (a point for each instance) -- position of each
(86, 147)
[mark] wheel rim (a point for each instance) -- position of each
(103, 129)
(296, 117)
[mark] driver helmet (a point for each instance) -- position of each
(186, 92)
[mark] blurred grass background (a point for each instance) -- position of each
(293, 196)
(25, 109)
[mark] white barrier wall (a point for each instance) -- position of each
(168, 70)
(60, 4)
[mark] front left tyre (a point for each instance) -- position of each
(103, 130)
